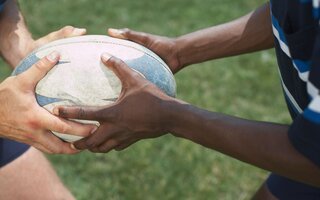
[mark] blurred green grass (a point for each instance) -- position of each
(169, 168)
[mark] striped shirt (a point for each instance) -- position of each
(296, 29)
(1, 4)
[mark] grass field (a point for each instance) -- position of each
(169, 168)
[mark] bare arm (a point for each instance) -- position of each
(262, 144)
(21, 118)
(15, 39)
(249, 33)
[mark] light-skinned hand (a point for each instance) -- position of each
(23, 120)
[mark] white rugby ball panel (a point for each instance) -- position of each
(80, 78)
(85, 51)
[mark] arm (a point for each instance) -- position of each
(21, 118)
(262, 144)
(249, 33)
(15, 39)
(265, 145)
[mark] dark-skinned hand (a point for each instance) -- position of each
(138, 113)
(163, 46)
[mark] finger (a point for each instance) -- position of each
(138, 37)
(42, 148)
(117, 33)
(37, 71)
(106, 146)
(60, 125)
(54, 145)
(103, 133)
(65, 32)
(125, 145)
(120, 68)
(78, 129)
(80, 144)
(79, 112)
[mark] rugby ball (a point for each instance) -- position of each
(81, 79)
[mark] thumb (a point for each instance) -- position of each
(120, 68)
(37, 71)
(138, 37)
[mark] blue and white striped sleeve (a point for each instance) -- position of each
(304, 133)
(1, 4)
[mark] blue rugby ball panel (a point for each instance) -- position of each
(80, 78)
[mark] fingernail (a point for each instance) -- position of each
(116, 31)
(94, 129)
(106, 57)
(73, 147)
(79, 31)
(55, 111)
(53, 57)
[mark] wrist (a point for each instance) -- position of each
(15, 48)
(189, 47)
(179, 44)
(176, 116)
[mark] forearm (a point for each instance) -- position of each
(265, 145)
(249, 33)
(14, 35)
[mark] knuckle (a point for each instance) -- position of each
(95, 150)
(100, 114)
(156, 43)
(61, 128)
(33, 122)
(82, 113)
(38, 65)
(109, 145)
(143, 35)
(67, 30)
(90, 144)
(113, 143)
(112, 114)
(102, 149)
(41, 64)
(145, 39)
(127, 32)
